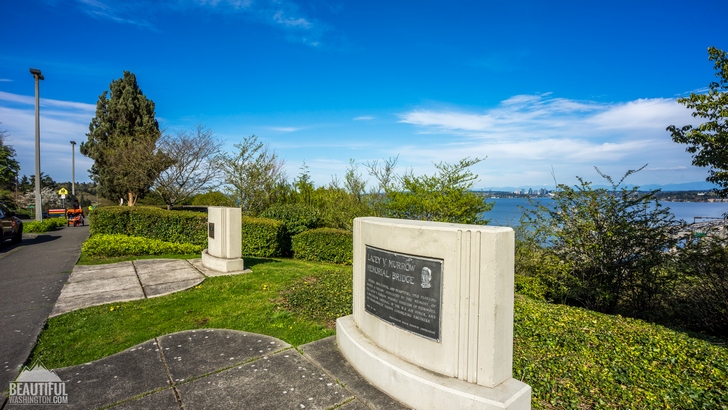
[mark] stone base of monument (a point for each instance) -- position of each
(420, 388)
(222, 264)
(224, 240)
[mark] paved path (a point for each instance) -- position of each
(195, 369)
(220, 369)
(31, 277)
(93, 285)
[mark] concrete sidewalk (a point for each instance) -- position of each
(93, 285)
(220, 369)
(206, 368)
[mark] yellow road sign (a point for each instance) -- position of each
(63, 191)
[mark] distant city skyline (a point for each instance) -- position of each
(537, 90)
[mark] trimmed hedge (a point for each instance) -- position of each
(150, 222)
(111, 245)
(260, 237)
(263, 237)
(296, 217)
(324, 245)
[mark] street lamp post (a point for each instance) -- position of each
(38, 203)
(73, 170)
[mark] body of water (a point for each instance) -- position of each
(508, 211)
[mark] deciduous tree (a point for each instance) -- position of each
(253, 175)
(194, 156)
(446, 196)
(708, 142)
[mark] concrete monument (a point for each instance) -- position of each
(224, 240)
(432, 322)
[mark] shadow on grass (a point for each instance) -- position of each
(252, 261)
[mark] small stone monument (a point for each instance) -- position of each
(224, 240)
(432, 322)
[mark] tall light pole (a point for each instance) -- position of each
(73, 170)
(38, 203)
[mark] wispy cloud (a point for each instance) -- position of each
(284, 129)
(364, 118)
(5, 80)
(118, 12)
(46, 102)
(283, 14)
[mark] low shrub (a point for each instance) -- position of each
(112, 245)
(324, 245)
(262, 237)
(324, 296)
(577, 359)
(45, 225)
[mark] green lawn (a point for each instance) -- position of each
(572, 358)
(250, 302)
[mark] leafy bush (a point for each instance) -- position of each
(530, 286)
(324, 245)
(699, 300)
(111, 245)
(151, 222)
(612, 243)
(45, 225)
(325, 296)
(262, 237)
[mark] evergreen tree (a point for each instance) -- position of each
(122, 142)
(9, 168)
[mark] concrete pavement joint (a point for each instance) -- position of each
(169, 374)
(136, 272)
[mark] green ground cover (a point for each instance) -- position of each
(572, 358)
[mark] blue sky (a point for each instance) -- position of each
(530, 86)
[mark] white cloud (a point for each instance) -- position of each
(364, 118)
(60, 123)
(527, 133)
(299, 22)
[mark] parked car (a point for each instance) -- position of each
(11, 225)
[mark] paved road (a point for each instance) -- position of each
(32, 275)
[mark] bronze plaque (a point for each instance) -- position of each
(404, 291)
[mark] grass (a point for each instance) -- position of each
(572, 358)
(249, 302)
